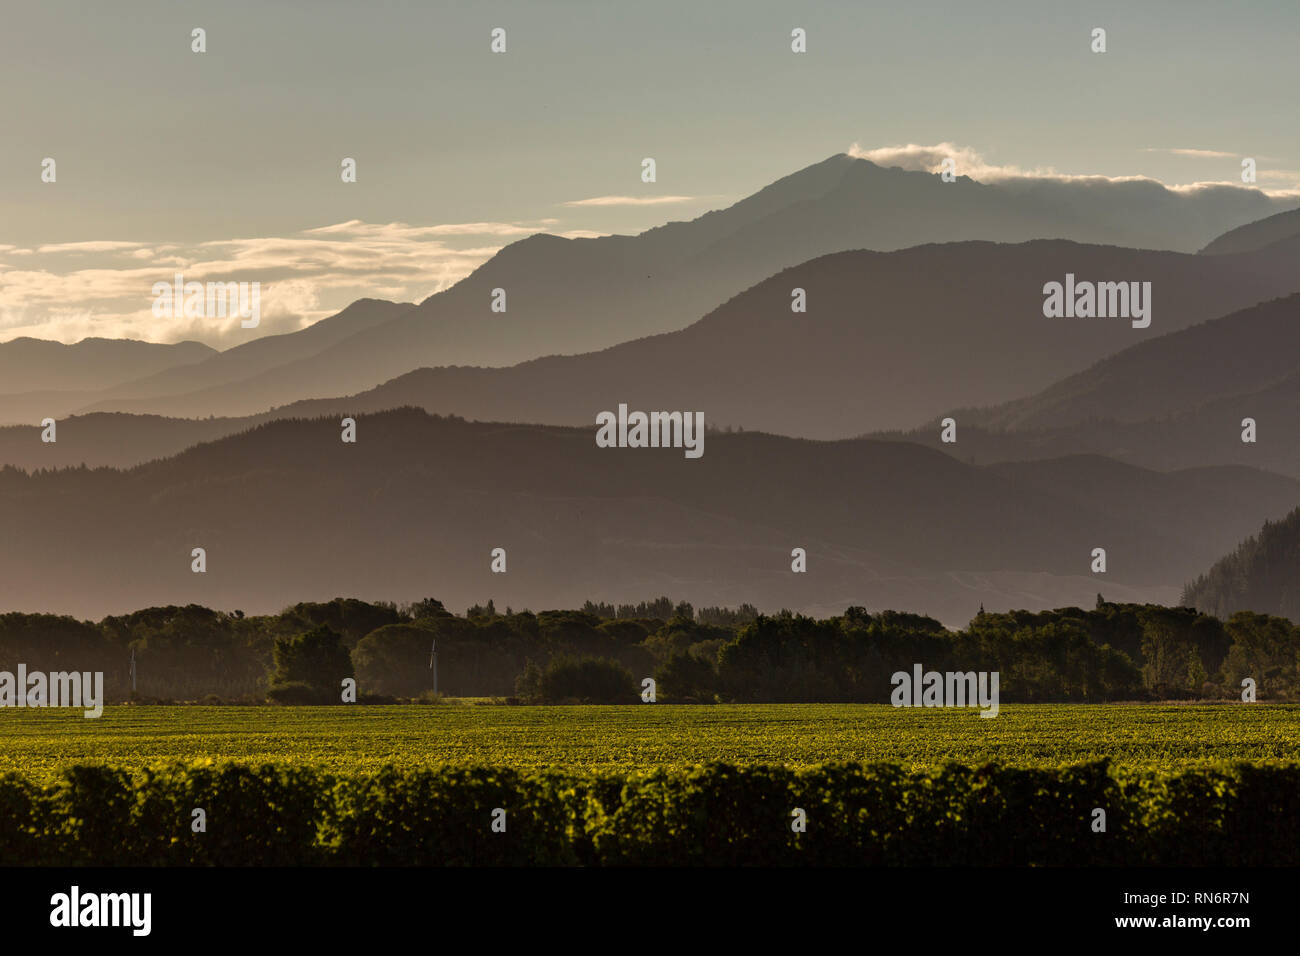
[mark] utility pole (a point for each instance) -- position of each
(433, 663)
(133, 670)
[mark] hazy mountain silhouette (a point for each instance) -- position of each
(238, 363)
(1236, 354)
(1175, 401)
(288, 512)
(889, 339)
(37, 366)
(1171, 401)
(568, 296)
(1262, 574)
(60, 395)
(1257, 235)
(112, 439)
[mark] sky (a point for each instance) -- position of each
(225, 165)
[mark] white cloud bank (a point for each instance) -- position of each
(969, 162)
(71, 290)
(630, 200)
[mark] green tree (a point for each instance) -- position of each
(310, 665)
(588, 680)
(686, 677)
(395, 660)
(528, 685)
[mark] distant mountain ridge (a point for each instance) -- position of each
(881, 343)
(199, 366)
(863, 360)
(28, 364)
(1230, 355)
(288, 511)
(1257, 235)
(1174, 401)
(269, 351)
(569, 296)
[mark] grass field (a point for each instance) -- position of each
(38, 743)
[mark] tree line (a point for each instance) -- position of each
(603, 653)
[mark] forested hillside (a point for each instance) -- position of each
(1262, 574)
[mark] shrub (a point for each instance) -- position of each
(713, 815)
(588, 680)
(445, 818)
(300, 692)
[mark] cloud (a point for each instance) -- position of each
(95, 245)
(930, 159)
(68, 291)
(630, 200)
(969, 162)
(400, 230)
(1198, 153)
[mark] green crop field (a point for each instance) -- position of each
(38, 743)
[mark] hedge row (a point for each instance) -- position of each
(712, 815)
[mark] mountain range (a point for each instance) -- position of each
(924, 300)
(567, 296)
(27, 364)
(54, 389)
(287, 511)
(1175, 401)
